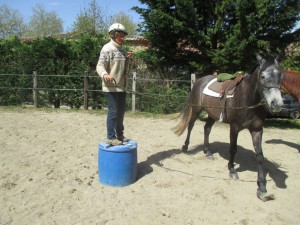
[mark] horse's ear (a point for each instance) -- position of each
(260, 59)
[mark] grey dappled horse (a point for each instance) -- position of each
(256, 93)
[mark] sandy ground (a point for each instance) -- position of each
(49, 174)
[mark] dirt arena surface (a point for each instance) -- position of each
(49, 174)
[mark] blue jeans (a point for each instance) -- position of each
(115, 116)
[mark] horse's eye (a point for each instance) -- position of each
(264, 75)
(277, 72)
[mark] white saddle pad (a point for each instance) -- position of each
(212, 93)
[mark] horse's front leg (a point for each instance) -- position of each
(261, 176)
(234, 132)
(207, 129)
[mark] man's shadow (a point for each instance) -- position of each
(244, 157)
(283, 142)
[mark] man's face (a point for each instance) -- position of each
(120, 38)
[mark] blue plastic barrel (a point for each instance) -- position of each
(117, 165)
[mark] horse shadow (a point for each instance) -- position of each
(247, 162)
(280, 141)
(244, 157)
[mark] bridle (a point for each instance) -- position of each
(268, 87)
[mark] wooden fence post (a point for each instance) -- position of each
(193, 79)
(133, 91)
(35, 90)
(85, 92)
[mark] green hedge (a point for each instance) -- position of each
(158, 97)
(68, 59)
(49, 56)
(61, 64)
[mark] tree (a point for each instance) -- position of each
(44, 23)
(208, 34)
(126, 20)
(90, 19)
(11, 22)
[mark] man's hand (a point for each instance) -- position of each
(108, 78)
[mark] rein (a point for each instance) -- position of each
(196, 105)
(236, 108)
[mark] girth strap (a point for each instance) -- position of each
(226, 87)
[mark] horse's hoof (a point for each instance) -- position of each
(210, 157)
(264, 197)
(184, 148)
(234, 175)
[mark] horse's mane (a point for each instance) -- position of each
(268, 62)
(291, 82)
(252, 70)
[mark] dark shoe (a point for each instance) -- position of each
(114, 142)
(123, 139)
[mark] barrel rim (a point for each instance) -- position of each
(125, 147)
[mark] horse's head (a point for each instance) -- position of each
(269, 77)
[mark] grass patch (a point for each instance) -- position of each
(282, 123)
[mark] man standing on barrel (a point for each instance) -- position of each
(112, 67)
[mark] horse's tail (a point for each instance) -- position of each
(185, 116)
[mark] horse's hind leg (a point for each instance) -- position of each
(190, 127)
(207, 129)
(187, 140)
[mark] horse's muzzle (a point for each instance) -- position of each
(274, 100)
(275, 108)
